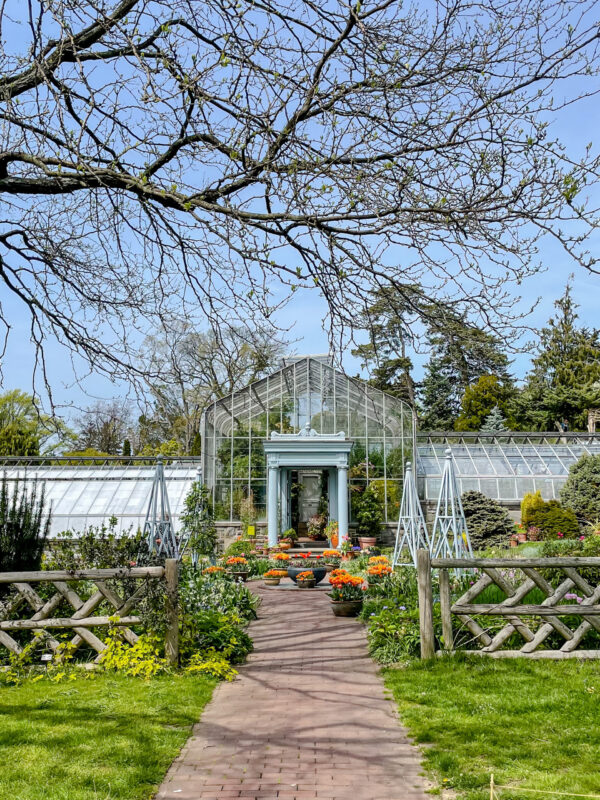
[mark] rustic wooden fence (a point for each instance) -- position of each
(533, 623)
(82, 620)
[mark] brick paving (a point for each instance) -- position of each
(307, 717)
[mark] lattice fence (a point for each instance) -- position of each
(570, 595)
(83, 621)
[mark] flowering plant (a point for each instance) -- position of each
(308, 560)
(305, 576)
(335, 572)
(346, 587)
(379, 570)
(331, 556)
(236, 561)
(281, 557)
(379, 560)
(275, 573)
(213, 570)
(316, 523)
(332, 530)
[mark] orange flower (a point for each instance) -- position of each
(305, 576)
(379, 570)
(212, 570)
(345, 580)
(276, 573)
(281, 557)
(379, 560)
(331, 553)
(335, 572)
(233, 561)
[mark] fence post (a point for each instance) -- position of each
(425, 604)
(445, 606)
(172, 611)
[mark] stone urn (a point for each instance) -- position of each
(346, 608)
(318, 572)
(306, 584)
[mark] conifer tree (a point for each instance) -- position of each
(494, 421)
(565, 378)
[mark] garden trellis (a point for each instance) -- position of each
(450, 535)
(412, 529)
(158, 526)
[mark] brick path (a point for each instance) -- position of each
(307, 717)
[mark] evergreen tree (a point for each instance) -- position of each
(126, 447)
(460, 354)
(479, 401)
(196, 448)
(565, 378)
(494, 421)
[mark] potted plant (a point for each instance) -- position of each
(346, 593)
(215, 571)
(274, 576)
(368, 517)
(331, 559)
(306, 580)
(348, 552)
(316, 524)
(280, 558)
(332, 532)
(237, 567)
(306, 561)
(290, 537)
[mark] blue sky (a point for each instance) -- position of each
(306, 309)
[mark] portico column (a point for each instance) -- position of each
(333, 494)
(342, 482)
(272, 516)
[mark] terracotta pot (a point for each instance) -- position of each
(284, 545)
(346, 608)
(308, 584)
(513, 541)
(367, 541)
(334, 541)
(521, 537)
(271, 581)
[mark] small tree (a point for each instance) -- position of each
(198, 521)
(488, 522)
(581, 491)
(24, 526)
(368, 513)
(494, 421)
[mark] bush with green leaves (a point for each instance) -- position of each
(213, 630)
(24, 526)
(394, 634)
(368, 513)
(585, 547)
(98, 547)
(198, 522)
(199, 592)
(581, 491)
(488, 523)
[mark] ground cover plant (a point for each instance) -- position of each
(531, 723)
(94, 738)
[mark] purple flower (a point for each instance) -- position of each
(402, 608)
(570, 596)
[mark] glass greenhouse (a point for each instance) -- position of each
(504, 466)
(89, 495)
(306, 393)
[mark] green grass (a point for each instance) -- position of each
(102, 738)
(533, 724)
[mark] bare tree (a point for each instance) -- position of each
(104, 427)
(208, 159)
(196, 368)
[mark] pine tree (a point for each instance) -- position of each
(494, 421)
(479, 400)
(438, 395)
(565, 378)
(126, 448)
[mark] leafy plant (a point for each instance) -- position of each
(97, 547)
(211, 663)
(489, 524)
(213, 630)
(368, 513)
(549, 517)
(140, 660)
(24, 526)
(198, 521)
(394, 634)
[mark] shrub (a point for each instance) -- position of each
(552, 519)
(586, 546)
(198, 520)
(212, 630)
(489, 524)
(530, 505)
(24, 527)
(581, 491)
(240, 547)
(98, 547)
(368, 513)
(199, 592)
(394, 635)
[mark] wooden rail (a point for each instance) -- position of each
(82, 620)
(533, 623)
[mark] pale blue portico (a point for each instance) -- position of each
(307, 449)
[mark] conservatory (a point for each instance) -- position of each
(301, 441)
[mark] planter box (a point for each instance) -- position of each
(346, 608)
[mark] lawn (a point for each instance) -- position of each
(106, 737)
(533, 724)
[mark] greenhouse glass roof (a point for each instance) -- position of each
(86, 495)
(502, 466)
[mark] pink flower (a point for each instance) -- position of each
(560, 535)
(581, 538)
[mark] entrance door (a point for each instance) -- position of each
(310, 495)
